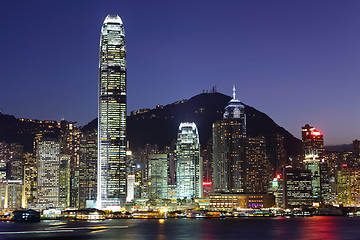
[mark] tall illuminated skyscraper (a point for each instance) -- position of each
(111, 181)
(189, 165)
(229, 137)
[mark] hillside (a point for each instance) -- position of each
(159, 126)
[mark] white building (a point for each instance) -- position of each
(111, 182)
(189, 166)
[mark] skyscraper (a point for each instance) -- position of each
(111, 192)
(158, 176)
(257, 166)
(88, 168)
(189, 172)
(313, 145)
(313, 142)
(48, 185)
(229, 137)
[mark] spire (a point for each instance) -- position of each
(234, 92)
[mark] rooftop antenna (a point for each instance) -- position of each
(234, 92)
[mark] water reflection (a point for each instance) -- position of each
(312, 228)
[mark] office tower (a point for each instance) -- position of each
(88, 168)
(130, 195)
(158, 176)
(30, 180)
(314, 152)
(172, 169)
(2, 170)
(48, 165)
(11, 194)
(70, 145)
(257, 167)
(206, 154)
(314, 166)
(356, 154)
(326, 191)
(189, 164)
(15, 168)
(111, 185)
(281, 160)
(313, 142)
(64, 180)
(276, 188)
(229, 136)
(348, 187)
(297, 189)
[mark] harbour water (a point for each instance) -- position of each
(310, 228)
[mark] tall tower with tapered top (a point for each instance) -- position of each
(111, 182)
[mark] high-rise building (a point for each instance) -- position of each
(297, 187)
(257, 174)
(158, 176)
(2, 170)
(314, 153)
(111, 185)
(189, 164)
(356, 154)
(130, 195)
(48, 180)
(11, 194)
(15, 168)
(313, 142)
(30, 180)
(229, 137)
(281, 159)
(348, 187)
(64, 180)
(70, 145)
(88, 168)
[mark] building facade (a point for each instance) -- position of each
(348, 187)
(158, 176)
(313, 142)
(297, 187)
(189, 164)
(257, 167)
(88, 168)
(64, 180)
(111, 180)
(48, 179)
(229, 136)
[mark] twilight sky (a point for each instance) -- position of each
(297, 61)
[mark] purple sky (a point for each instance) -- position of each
(297, 61)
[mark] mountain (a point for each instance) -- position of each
(22, 131)
(339, 148)
(160, 125)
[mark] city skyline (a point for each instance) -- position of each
(294, 61)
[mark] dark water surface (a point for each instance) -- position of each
(329, 228)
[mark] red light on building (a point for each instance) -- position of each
(316, 133)
(207, 183)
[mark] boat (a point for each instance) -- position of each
(26, 215)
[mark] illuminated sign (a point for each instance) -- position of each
(207, 183)
(316, 133)
(275, 183)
